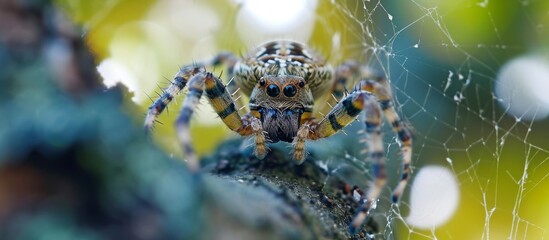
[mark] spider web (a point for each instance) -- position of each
(443, 61)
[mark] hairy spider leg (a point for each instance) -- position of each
(372, 120)
(180, 81)
(299, 140)
(379, 86)
(381, 89)
(176, 86)
(224, 106)
(346, 71)
(374, 99)
(196, 89)
(343, 73)
(340, 116)
(229, 60)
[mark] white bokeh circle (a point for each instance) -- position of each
(434, 197)
(262, 20)
(522, 87)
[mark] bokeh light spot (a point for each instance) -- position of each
(262, 20)
(434, 197)
(522, 85)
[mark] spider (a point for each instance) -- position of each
(282, 79)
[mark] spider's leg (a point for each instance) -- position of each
(196, 88)
(381, 89)
(252, 126)
(300, 138)
(180, 81)
(343, 73)
(224, 106)
(229, 60)
(176, 86)
(340, 116)
(372, 120)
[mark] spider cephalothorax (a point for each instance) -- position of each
(283, 80)
(282, 103)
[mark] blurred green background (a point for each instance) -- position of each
(442, 58)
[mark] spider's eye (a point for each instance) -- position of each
(262, 82)
(301, 84)
(273, 90)
(290, 90)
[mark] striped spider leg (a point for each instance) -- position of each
(373, 97)
(198, 79)
(380, 87)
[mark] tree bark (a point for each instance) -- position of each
(275, 198)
